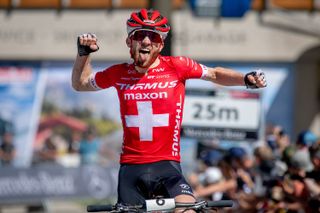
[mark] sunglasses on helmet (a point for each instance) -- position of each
(141, 34)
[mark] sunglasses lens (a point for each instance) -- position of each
(140, 35)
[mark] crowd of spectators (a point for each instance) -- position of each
(278, 176)
(85, 146)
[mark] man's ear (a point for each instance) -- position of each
(161, 46)
(128, 42)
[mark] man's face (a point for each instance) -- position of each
(145, 47)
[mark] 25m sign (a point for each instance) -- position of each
(232, 115)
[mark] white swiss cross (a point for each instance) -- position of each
(146, 120)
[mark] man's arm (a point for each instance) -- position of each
(82, 70)
(80, 74)
(229, 77)
(221, 186)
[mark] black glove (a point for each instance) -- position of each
(84, 49)
(248, 83)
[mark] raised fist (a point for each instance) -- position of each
(255, 79)
(87, 43)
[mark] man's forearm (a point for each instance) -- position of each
(80, 74)
(225, 77)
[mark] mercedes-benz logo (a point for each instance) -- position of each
(184, 186)
(98, 182)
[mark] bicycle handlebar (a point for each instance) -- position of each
(160, 205)
(220, 203)
(100, 208)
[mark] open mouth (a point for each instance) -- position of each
(144, 51)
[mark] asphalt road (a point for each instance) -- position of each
(50, 207)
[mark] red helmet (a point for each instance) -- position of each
(148, 20)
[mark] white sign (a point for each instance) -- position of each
(222, 112)
(211, 114)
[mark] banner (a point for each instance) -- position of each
(38, 183)
(21, 91)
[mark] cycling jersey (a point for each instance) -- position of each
(151, 106)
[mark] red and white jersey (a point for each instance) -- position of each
(151, 106)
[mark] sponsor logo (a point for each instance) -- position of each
(186, 192)
(151, 77)
(176, 132)
(162, 76)
(145, 96)
(158, 76)
(157, 70)
(146, 86)
(184, 186)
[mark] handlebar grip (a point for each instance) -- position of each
(220, 203)
(99, 208)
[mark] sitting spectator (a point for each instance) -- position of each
(89, 147)
(7, 149)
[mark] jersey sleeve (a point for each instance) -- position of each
(188, 68)
(106, 78)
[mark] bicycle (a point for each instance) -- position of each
(162, 205)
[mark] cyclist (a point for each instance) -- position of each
(151, 92)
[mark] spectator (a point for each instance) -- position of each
(315, 157)
(74, 143)
(224, 186)
(7, 149)
(306, 139)
(48, 153)
(208, 174)
(312, 179)
(293, 184)
(89, 147)
(267, 170)
(287, 154)
(264, 161)
(300, 162)
(242, 164)
(237, 182)
(278, 140)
